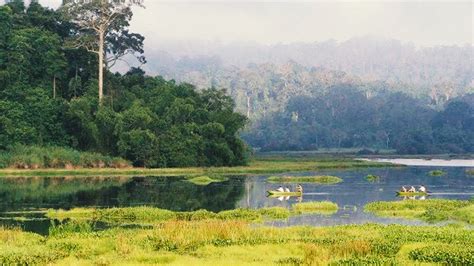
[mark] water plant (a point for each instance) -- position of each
(437, 173)
(305, 179)
(205, 180)
(431, 210)
(372, 178)
(321, 207)
(470, 171)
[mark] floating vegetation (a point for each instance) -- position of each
(437, 173)
(372, 178)
(205, 180)
(470, 171)
(325, 179)
(146, 215)
(320, 207)
(432, 210)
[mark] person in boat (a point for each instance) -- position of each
(412, 189)
(299, 188)
(403, 189)
(287, 189)
(280, 189)
(422, 189)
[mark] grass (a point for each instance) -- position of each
(321, 207)
(257, 165)
(305, 179)
(470, 171)
(147, 215)
(437, 173)
(372, 178)
(432, 210)
(205, 180)
(38, 157)
(233, 242)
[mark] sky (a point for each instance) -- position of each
(423, 23)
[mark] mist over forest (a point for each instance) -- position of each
(366, 92)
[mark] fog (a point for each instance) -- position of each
(270, 22)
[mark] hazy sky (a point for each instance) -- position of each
(425, 23)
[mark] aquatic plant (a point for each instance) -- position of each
(372, 178)
(321, 207)
(437, 173)
(305, 179)
(205, 180)
(470, 171)
(431, 210)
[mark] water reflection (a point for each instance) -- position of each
(172, 193)
(175, 193)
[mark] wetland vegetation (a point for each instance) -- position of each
(305, 179)
(437, 173)
(233, 241)
(431, 210)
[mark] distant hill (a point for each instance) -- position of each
(261, 78)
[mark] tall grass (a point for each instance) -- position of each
(37, 157)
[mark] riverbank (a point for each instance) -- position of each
(257, 165)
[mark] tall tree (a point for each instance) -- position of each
(102, 28)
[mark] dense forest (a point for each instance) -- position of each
(343, 117)
(340, 95)
(51, 94)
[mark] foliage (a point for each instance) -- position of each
(48, 93)
(34, 157)
(305, 179)
(431, 210)
(344, 117)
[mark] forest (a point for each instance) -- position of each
(50, 95)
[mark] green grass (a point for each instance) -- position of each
(147, 215)
(372, 178)
(305, 179)
(431, 210)
(258, 165)
(38, 157)
(320, 207)
(437, 173)
(205, 180)
(235, 242)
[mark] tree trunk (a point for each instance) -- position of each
(101, 66)
(54, 87)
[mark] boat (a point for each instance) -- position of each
(410, 194)
(275, 193)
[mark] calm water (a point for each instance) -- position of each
(18, 195)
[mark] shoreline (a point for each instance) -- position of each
(256, 166)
